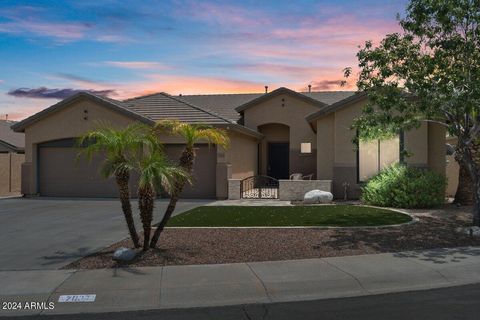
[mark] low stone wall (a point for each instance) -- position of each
(287, 190)
(234, 189)
(296, 189)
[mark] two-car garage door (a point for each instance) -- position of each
(63, 174)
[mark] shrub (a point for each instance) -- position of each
(400, 186)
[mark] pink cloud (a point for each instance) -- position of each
(63, 32)
(137, 64)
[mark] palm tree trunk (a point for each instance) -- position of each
(186, 162)
(464, 194)
(124, 194)
(145, 204)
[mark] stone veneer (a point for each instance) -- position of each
(234, 189)
(288, 189)
(296, 189)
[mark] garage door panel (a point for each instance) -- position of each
(61, 174)
(204, 171)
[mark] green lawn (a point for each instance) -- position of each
(328, 215)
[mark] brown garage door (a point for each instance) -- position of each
(204, 170)
(62, 175)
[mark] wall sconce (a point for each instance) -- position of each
(305, 147)
(85, 114)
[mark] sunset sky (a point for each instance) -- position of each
(50, 49)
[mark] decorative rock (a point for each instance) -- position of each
(124, 254)
(471, 231)
(317, 196)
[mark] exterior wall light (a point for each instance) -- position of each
(305, 147)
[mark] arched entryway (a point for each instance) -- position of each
(274, 151)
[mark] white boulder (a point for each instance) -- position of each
(317, 196)
(124, 254)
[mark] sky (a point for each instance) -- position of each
(120, 48)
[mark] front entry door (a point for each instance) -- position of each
(278, 164)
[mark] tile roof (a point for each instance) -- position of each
(225, 104)
(12, 138)
(160, 106)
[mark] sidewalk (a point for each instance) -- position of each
(241, 283)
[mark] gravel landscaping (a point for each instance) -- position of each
(180, 246)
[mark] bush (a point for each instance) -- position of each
(400, 186)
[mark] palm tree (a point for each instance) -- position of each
(118, 146)
(156, 173)
(191, 134)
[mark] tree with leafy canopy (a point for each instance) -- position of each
(430, 71)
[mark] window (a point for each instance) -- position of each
(373, 156)
(305, 147)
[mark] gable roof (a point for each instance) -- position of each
(336, 106)
(110, 103)
(147, 109)
(159, 106)
(10, 139)
(276, 92)
(225, 104)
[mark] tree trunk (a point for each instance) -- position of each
(146, 197)
(470, 159)
(186, 162)
(124, 194)
(464, 194)
(476, 206)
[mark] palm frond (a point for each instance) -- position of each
(118, 146)
(193, 133)
(158, 173)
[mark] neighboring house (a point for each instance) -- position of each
(277, 134)
(12, 156)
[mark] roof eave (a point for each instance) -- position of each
(335, 107)
(21, 125)
(241, 129)
(11, 146)
(276, 92)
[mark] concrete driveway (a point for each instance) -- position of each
(47, 233)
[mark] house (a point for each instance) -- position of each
(11, 158)
(275, 134)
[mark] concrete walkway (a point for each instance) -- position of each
(251, 203)
(242, 283)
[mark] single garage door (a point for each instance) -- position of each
(204, 170)
(61, 174)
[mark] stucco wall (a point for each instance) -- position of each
(337, 156)
(66, 123)
(436, 148)
(242, 156)
(10, 173)
(416, 144)
(288, 110)
(452, 170)
(326, 147)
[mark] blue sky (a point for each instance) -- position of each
(50, 49)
